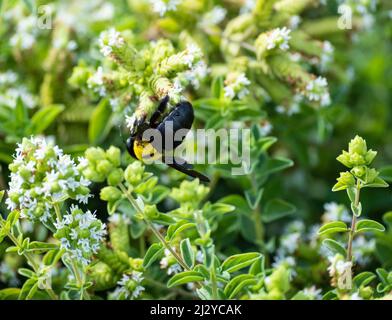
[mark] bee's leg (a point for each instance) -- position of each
(160, 111)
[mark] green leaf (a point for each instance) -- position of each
(377, 183)
(238, 283)
(216, 209)
(217, 87)
(39, 247)
(334, 247)
(385, 173)
(185, 277)
(9, 294)
(43, 118)
(1, 195)
(52, 257)
(187, 252)
(257, 267)
(333, 227)
(20, 113)
(356, 210)
(28, 289)
(26, 273)
(368, 225)
(100, 124)
(253, 197)
(275, 164)
(364, 278)
(239, 261)
(152, 254)
(276, 209)
(175, 229)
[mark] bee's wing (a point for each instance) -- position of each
(186, 168)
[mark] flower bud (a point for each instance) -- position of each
(115, 177)
(110, 194)
(151, 212)
(357, 145)
(94, 154)
(359, 171)
(104, 167)
(134, 173)
(345, 181)
(113, 154)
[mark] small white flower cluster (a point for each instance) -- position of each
(339, 270)
(278, 38)
(213, 17)
(363, 249)
(247, 6)
(334, 212)
(198, 70)
(197, 73)
(10, 92)
(235, 86)
(96, 82)
(265, 128)
(8, 275)
(80, 234)
(25, 33)
(294, 22)
(168, 262)
(326, 56)
(11, 96)
(289, 243)
(163, 6)
(293, 108)
(110, 39)
(313, 293)
(317, 90)
(129, 287)
(42, 175)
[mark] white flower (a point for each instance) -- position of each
(213, 17)
(192, 54)
(163, 6)
(235, 86)
(326, 56)
(129, 287)
(294, 22)
(247, 6)
(198, 72)
(313, 292)
(85, 237)
(96, 82)
(293, 108)
(278, 38)
(110, 39)
(265, 128)
(334, 211)
(41, 169)
(176, 89)
(8, 77)
(317, 90)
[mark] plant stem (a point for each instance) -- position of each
(151, 226)
(58, 211)
(75, 269)
(353, 224)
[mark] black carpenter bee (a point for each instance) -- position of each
(180, 118)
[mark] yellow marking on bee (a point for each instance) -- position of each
(144, 150)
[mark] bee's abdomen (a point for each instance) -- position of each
(181, 117)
